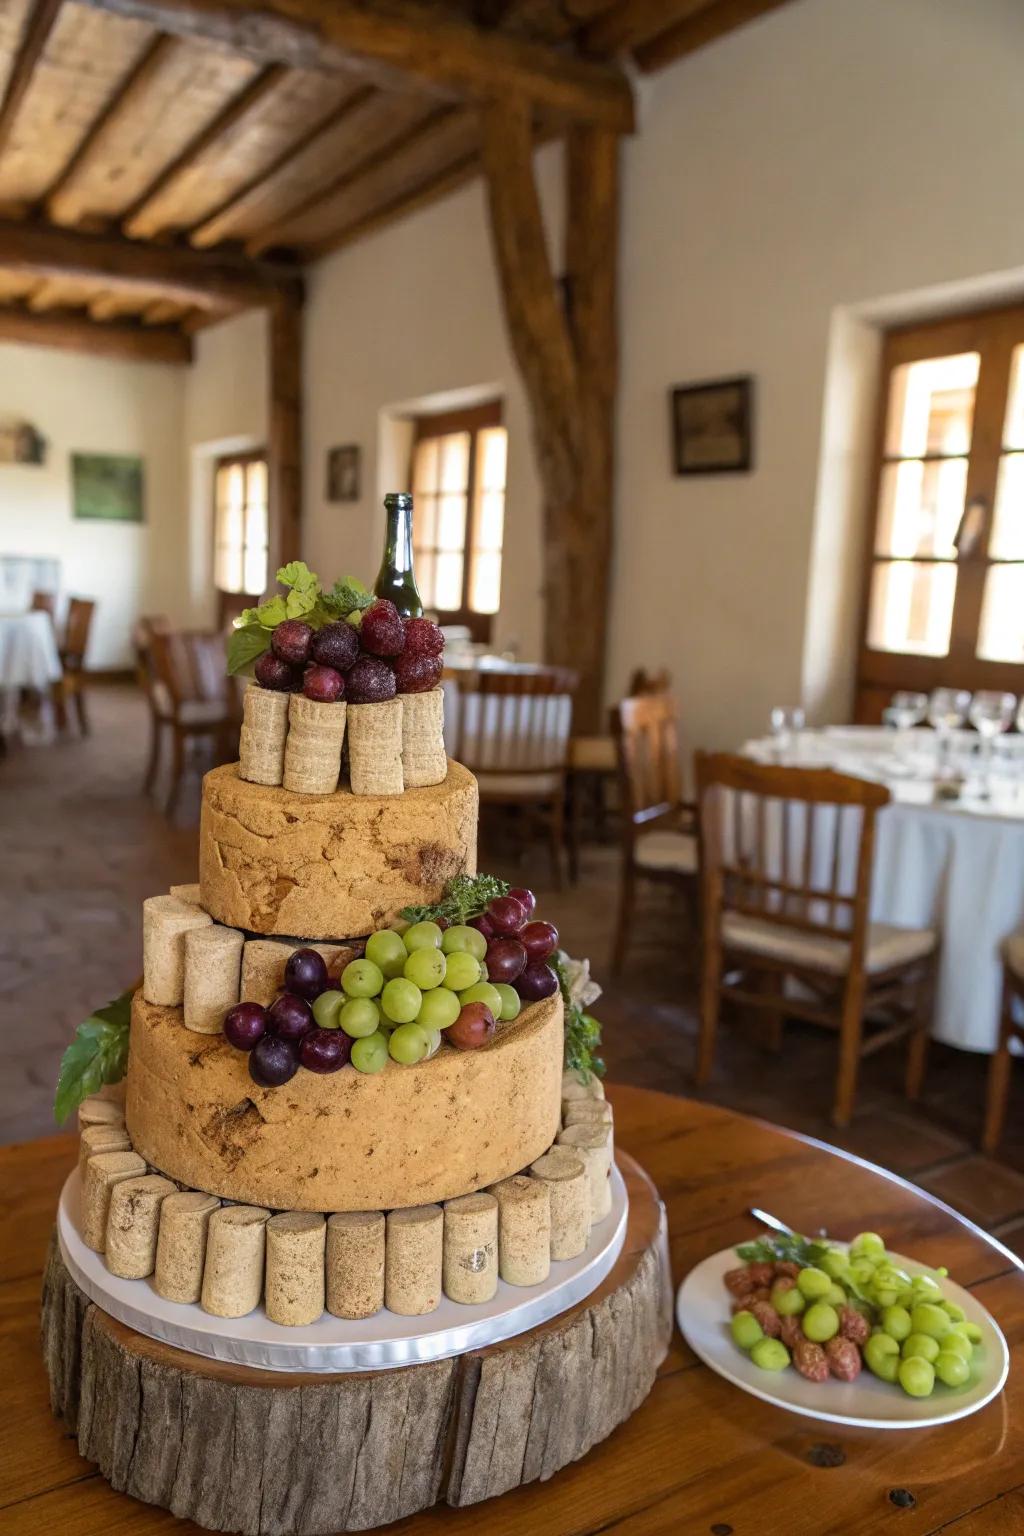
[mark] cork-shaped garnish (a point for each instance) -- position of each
(235, 1248)
(563, 1171)
(102, 1172)
(355, 1263)
(133, 1225)
(470, 1258)
(524, 1229)
(413, 1260)
(213, 968)
(593, 1143)
(295, 1268)
(312, 754)
(165, 922)
(424, 760)
(375, 748)
(261, 742)
(112, 1137)
(181, 1246)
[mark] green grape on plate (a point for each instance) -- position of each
(439, 1009)
(387, 951)
(361, 978)
(327, 1007)
(511, 1002)
(408, 1044)
(423, 936)
(401, 1000)
(462, 970)
(370, 1054)
(360, 1017)
(461, 939)
(426, 968)
(484, 993)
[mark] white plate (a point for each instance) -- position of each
(703, 1311)
(333, 1343)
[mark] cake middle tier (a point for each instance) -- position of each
(346, 1141)
(330, 866)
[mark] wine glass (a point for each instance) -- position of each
(905, 711)
(787, 721)
(991, 713)
(947, 711)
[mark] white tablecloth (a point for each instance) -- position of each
(957, 867)
(28, 659)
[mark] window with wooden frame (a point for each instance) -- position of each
(458, 482)
(944, 571)
(240, 526)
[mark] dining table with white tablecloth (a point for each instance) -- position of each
(952, 864)
(28, 659)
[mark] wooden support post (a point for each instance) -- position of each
(284, 456)
(569, 366)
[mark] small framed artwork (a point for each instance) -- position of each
(21, 442)
(712, 427)
(107, 487)
(343, 473)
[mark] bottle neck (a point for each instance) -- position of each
(398, 539)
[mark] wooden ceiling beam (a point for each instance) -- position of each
(633, 22)
(706, 26)
(208, 279)
(399, 43)
(37, 31)
(74, 332)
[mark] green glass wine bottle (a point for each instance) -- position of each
(396, 579)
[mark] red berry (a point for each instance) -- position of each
(336, 645)
(370, 681)
(473, 1027)
(272, 672)
(382, 631)
(323, 685)
(541, 939)
(417, 674)
(506, 915)
(423, 638)
(291, 641)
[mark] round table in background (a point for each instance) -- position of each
(28, 659)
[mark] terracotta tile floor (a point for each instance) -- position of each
(81, 847)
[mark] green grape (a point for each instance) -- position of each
(970, 1331)
(926, 1289)
(439, 1009)
(930, 1319)
(920, 1344)
(400, 925)
(361, 978)
(814, 1283)
(423, 936)
(511, 1002)
(386, 950)
(326, 1008)
(360, 1017)
(862, 1273)
(885, 1295)
(426, 968)
(820, 1322)
(401, 1000)
(408, 1044)
(484, 993)
(867, 1245)
(882, 1356)
(834, 1263)
(896, 1322)
(951, 1368)
(835, 1295)
(434, 1038)
(770, 1355)
(788, 1303)
(916, 1377)
(957, 1344)
(370, 1054)
(953, 1312)
(461, 971)
(746, 1330)
(464, 941)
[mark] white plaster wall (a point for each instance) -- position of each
(98, 405)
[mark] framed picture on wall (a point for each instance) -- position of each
(712, 427)
(343, 473)
(107, 487)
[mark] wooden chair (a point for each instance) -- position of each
(778, 905)
(643, 682)
(191, 700)
(513, 731)
(659, 838)
(157, 700)
(1009, 1030)
(71, 685)
(45, 602)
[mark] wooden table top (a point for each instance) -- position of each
(699, 1456)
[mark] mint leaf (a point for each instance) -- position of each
(273, 612)
(348, 596)
(246, 644)
(297, 575)
(98, 1054)
(299, 603)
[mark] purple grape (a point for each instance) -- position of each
(292, 640)
(506, 915)
(324, 685)
(272, 672)
(370, 682)
(537, 981)
(336, 645)
(423, 638)
(306, 973)
(273, 1061)
(325, 1050)
(290, 1017)
(505, 960)
(245, 1025)
(381, 629)
(417, 674)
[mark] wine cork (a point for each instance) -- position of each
(590, 1112)
(165, 922)
(312, 753)
(424, 760)
(375, 748)
(189, 893)
(355, 1263)
(133, 1225)
(99, 1111)
(235, 1247)
(102, 1172)
(102, 1138)
(594, 1145)
(264, 960)
(413, 1260)
(524, 1229)
(564, 1173)
(470, 1253)
(261, 741)
(181, 1246)
(295, 1268)
(213, 969)
(574, 1088)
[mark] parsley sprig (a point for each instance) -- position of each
(782, 1247)
(465, 896)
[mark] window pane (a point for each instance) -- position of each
(920, 507)
(1007, 540)
(448, 582)
(256, 524)
(229, 526)
(424, 521)
(1013, 432)
(256, 489)
(424, 467)
(1001, 637)
(485, 583)
(455, 462)
(490, 520)
(229, 568)
(911, 607)
(451, 531)
(255, 568)
(931, 406)
(425, 579)
(235, 487)
(492, 451)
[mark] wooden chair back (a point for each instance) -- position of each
(515, 722)
(646, 730)
(76, 631)
(188, 666)
(44, 602)
(791, 846)
(643, 681)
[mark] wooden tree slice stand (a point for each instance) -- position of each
(268, 1453)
